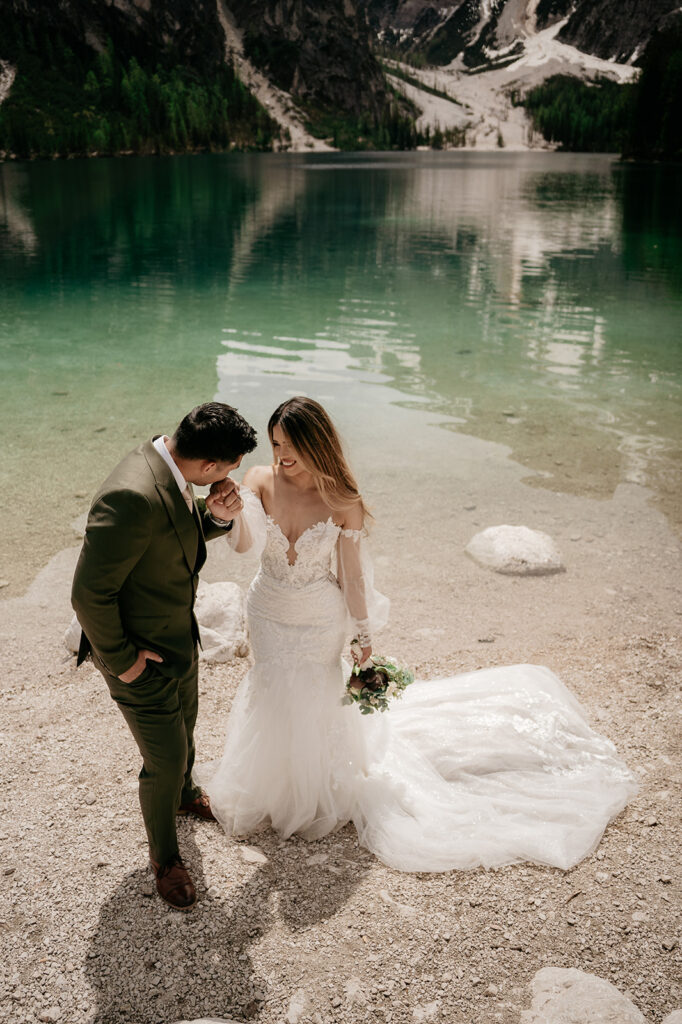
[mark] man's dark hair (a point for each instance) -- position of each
(215, 432)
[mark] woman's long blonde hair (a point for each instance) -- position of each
(313, 436)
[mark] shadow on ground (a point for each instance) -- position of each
(149, 964)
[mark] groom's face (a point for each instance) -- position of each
(208, 473)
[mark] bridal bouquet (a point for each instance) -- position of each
(372, 684)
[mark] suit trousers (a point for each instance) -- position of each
(161, 714)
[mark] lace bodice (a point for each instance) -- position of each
(323, 551)
(315, 550)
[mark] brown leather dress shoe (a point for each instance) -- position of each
(174, 885)
(201, 807)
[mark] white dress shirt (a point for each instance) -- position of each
(160, 445)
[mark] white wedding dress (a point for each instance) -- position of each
(484, 768)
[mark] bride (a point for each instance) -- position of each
(484, 768)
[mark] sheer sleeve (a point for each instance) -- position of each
(249, 528)
(367, 608)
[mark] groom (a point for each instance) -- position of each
(134, 591)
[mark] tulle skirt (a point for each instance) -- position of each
(484, 768)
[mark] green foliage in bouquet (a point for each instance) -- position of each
(372, 687)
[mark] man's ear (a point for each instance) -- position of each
(207, 467)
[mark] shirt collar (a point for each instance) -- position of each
(160, 445)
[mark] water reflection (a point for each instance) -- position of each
(498, 289)
(651, 200)
(534, 299)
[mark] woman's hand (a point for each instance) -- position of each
(360, 654)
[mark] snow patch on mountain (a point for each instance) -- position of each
(480, 99)
(542, 50)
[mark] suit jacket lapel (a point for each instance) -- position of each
(182, 519)
(201, 545)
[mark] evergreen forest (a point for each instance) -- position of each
(77, 102)
(69, 100)
(583, 118)
(655, 129)
(641, 121)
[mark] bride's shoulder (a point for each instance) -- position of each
(257, 479)
(353, 517)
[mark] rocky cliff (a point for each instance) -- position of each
(319, 52)
(490, 32)
(612, 29)
(172, 31)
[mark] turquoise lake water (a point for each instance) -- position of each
(529, 299)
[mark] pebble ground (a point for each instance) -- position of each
(313, 932)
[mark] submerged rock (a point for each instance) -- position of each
(515, 551)
(570, 996)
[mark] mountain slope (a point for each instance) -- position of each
(81, 76)
(319, 53)
(482, 106)
(484, 31)
(615, 30)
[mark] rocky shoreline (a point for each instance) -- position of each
(301, 932)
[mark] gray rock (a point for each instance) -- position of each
(400, 908)
(51, 1015)
(72, 637)
(297, 1005)
(426, 1012)
(515, 551)
(673, 1018)
(220, 612)
(569, 996)
(253, 855)
(354, 991)
(317, 858)
(79, 523)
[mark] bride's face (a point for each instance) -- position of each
(286, 456)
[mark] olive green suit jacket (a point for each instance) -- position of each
(136, 579)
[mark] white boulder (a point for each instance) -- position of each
(569, 996)
(221, 614)
(72, 637)
(673, 1018)
(78, 525)
(515, 551)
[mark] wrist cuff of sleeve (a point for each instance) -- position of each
(224, 524)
